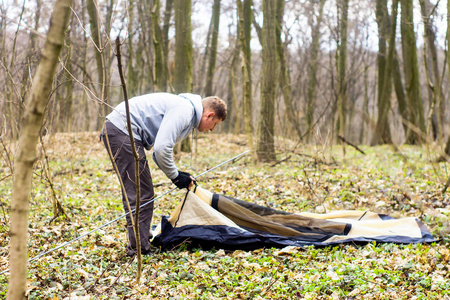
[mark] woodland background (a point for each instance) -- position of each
(371, 71)
(299, 77)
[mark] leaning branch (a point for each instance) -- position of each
(136, 162)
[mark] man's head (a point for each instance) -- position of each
(214, 112)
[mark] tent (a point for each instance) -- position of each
(210, 220)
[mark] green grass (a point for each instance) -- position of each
(311, 179)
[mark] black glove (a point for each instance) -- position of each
(183, 180)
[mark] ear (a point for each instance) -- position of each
(210, 114)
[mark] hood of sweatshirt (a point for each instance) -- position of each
(196, 102)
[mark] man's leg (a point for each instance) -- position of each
(122, 153)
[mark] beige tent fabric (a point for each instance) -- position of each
(396, 227)
(197, 212)
(369, 224)
(203, 194)
(281, 224)
(345, 215)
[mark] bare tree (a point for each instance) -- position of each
(342, 66)
(285, 82)
(312, 73)
(245, 22)
(182, 79)
(34, 113)
(416, 121)
(160, 66)
(215, 20)
(382, 130)
(132, 73)
(447, 145)
(436, 111)
(265, 148)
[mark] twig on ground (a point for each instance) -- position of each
(447, 184)
(123, 269)
(280, 161)
(351, 144)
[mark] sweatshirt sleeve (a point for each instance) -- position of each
(174, 122)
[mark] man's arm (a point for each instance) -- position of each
(172, 127)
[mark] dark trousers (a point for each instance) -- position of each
(121, 153)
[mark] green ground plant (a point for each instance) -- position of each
(401, 184)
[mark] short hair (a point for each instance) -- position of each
(217, 105)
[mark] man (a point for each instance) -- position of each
(158, 120)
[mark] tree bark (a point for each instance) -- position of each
(35, 107)
(182, 80)
(32, 47)
(382, 130)
(102, 54)
(213, 49)
(132, 80)
(341, 67)
(232, 122)
(436, 108)
(400, 92)
(265, 148)
(85, 100)
(447, 145)
(65, 106)
(312, 76)
(416, 121)
(165, 36)
(160, 76)
(285, 82)
(365, 109)
(245, 23)
(96, 37)
(183, 47)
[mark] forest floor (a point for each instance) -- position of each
(400, 182)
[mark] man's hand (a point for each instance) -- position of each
(183, 180)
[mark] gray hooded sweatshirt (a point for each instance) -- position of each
(160, 120)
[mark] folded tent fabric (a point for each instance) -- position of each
(210, 220)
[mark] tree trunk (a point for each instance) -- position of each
(31, 48)
(447, 146)
(416, 121)
(400, 92)
(85, 100)
(385, 60)
(35, 107)
(365, 110)
(132, 80)
(265, 147)
(183, 47)
(245, 23)
(165, 36)
(96, 37)
(341, 67)
(285, 82)
(435, 84)
(65, 106)
(160, 76)
(182, 80)
(213, 49)
(314, 54)
(232, 122)
(101, 55)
